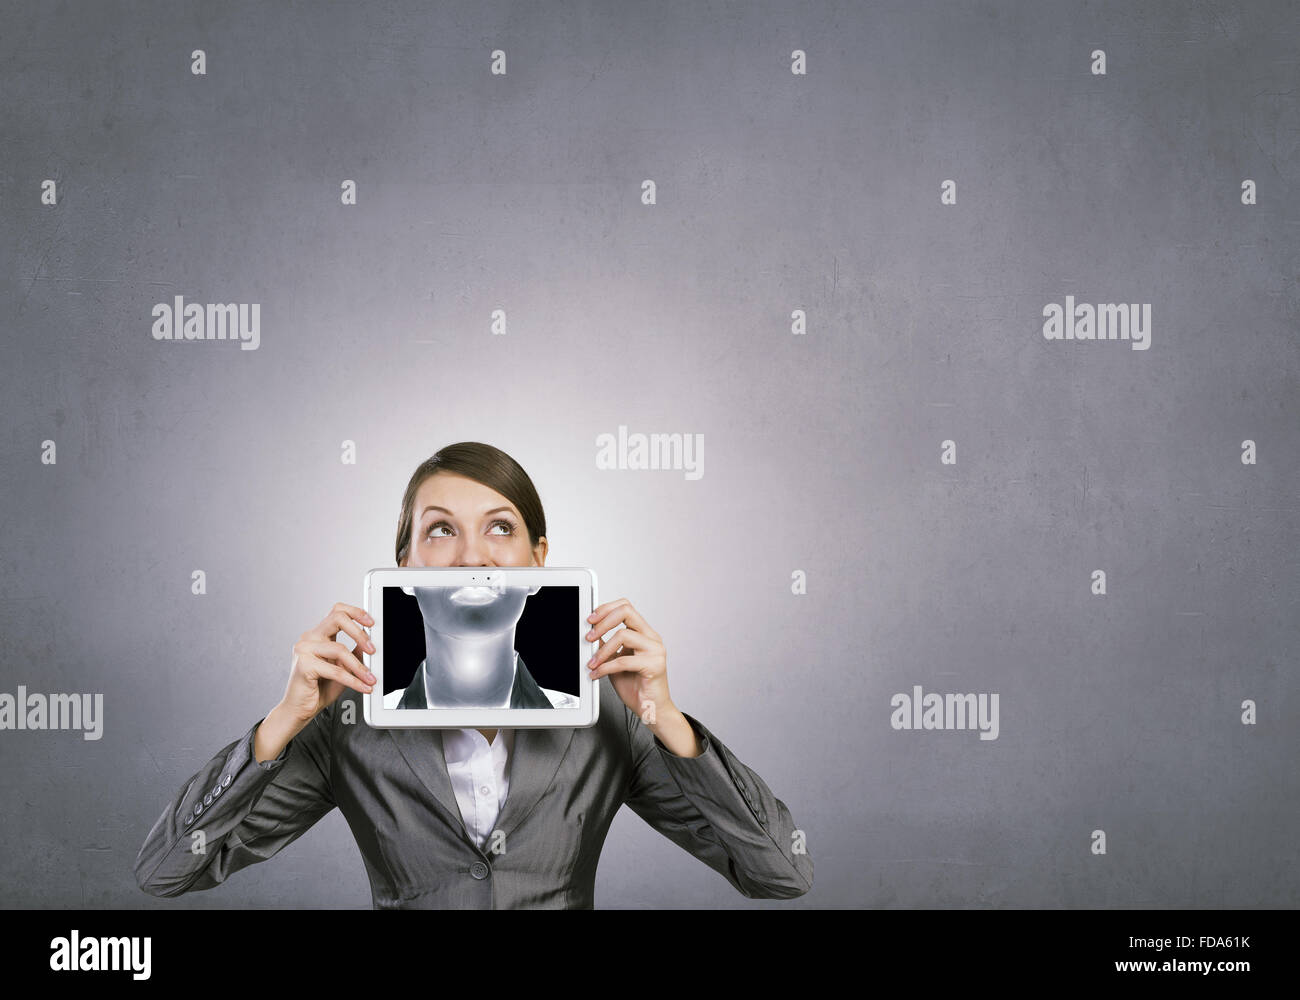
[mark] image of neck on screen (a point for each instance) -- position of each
(469, 640)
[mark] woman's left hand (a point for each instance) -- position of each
(636, 663)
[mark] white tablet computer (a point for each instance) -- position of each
(481, 647)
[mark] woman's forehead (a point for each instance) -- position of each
(461, 495)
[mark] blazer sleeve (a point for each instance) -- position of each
(236, 811)
(720, 811)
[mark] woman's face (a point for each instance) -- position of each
(458, 521)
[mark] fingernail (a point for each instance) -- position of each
(371, 678)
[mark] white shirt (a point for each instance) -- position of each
(480, 776)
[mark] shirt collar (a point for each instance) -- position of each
(459, 745)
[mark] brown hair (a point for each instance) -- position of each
(485, 464)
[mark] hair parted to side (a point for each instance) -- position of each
(485, 464)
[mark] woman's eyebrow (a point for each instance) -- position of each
(494, 510)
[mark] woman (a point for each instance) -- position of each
(482, 818)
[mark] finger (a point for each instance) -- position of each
(626, 638)
(352, 611)
(610, 617)
(341, 615)
(623, 611)
(604, 609)
(350, 659)
(630, 637)
(343, 618)
(633, 620)
(352, 621)
(339, 622)
(340, 654)
(324, 669)
(363, 640)
(619, 662)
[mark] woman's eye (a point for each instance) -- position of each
(510, 528)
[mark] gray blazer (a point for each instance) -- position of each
(392, 786)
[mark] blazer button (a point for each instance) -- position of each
(216, 791)
(225, 782)
(188, 819)
(478, 869)
(207, 799)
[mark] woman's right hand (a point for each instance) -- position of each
(323, 667)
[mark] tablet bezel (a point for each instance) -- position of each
(379, 717)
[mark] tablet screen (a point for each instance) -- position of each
(481, 647)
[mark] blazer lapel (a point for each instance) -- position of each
(533, 764)
(422, 749)
(526, 693)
